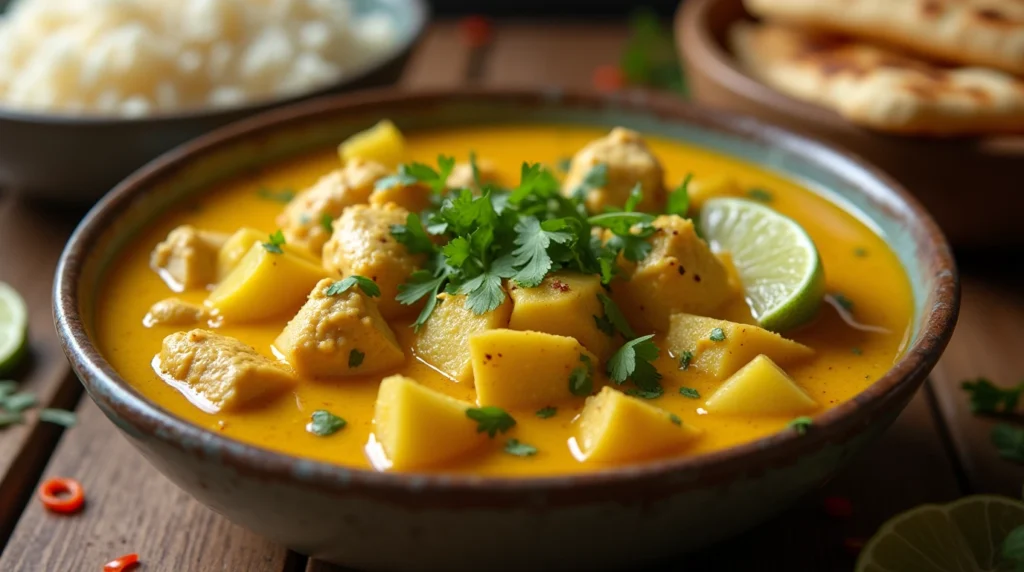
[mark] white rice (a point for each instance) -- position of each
(141, 57)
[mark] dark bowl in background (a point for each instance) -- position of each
(76, 159)
(971, 185)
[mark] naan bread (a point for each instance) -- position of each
(986, 33)
(879, 88)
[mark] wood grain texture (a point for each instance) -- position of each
(130, 507)
(33, 237)
(552, 55)
(987, 342)
(441, 60)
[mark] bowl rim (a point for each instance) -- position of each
(418, 10)
(119, 400)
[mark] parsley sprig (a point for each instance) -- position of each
(989, 398)
(634, 361)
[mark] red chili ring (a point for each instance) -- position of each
(121, 564)
(62, 495)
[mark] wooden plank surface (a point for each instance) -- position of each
(130, 508)
(987, 342)
(441, 61)
(552, 54)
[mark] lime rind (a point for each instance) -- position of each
(13, 328)
(778, 263)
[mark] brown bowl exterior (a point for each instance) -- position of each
(371, 520)
(972, 186)
(76, 159)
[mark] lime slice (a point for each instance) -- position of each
(13, 327)
(964, 535)
(775, 258)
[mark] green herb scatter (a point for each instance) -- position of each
(490, 419)
(679, 198)
(987, 397)
(60, 417)
(634, 361)
(519, 449)
(355, 358)
(581, 379)
(675, 419)
(689, 392)
(1009, 442)
(801, 425)
(547, 412)
(274, 243)
(760, 195)
(369, 287)
(614, 318)
(327, 223)
(717, 335)
(685, 359)
(323, 423)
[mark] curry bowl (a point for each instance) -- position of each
(429, 520)
(92, 153)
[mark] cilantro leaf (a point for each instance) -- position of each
(717, 335)
(596, 178)
(412, 235)
(581, 379)
(685, 359)
(636, 194)
(490, 419)
(620, 222)
(483, 292)
(759, 194)
(1009, 442)
(412, 173)
(615, 317)
(679, 198)
(633, 361)
(475, 169)
(533, 240)
(355, 358)
(801, 425)
(689, 392)
(274, 243)
(400, 179)
(547, 412)
(327, 223)
(369, 287)
(323, 423)
(421, 283)
(989, 398)
(675, 419)
(519, 449)
(653, 393)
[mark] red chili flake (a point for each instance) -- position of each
(559, 285)
(126, 562)
(62, 495)
(853, 545)
(608, 78)
(838, 507)
(476, 31)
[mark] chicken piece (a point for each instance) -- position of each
(461, 176)
(443, 341)
(564, 304)
(220, 373)
(616, 428)
(413, 198)
(174, 312)
(339, 335)
(628, 161)
(362, 244)
(187, 258)
(680, 274)
(305, 219)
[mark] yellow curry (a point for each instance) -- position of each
(401, 311)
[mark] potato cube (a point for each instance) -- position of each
(443, 341)
(264, 285)
(239, 243)
(382, 143)
(525, 369)
(617, 428)
(339, 335)
(220, 373)
(720, 348)
(679, 275)
(419, 427)
(760, 388)
(413, 198)
(564, 304)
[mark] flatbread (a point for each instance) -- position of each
(880, 88)
(986, 33)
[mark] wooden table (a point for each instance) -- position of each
(935, 452)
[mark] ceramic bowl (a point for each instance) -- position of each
(942, 173)
(76, 159)
(370, 520)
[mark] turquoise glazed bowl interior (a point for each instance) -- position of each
(371, 520)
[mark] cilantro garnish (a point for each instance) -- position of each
(324, 423)
(630, 232)
(759, 194)
(679, 198)
(355, 358)
(274, 243)
(369, 287)
(1009, 442)
(327, 223)
(282, 196)
(412, 235)
(596, 178)
(636, 194)
(547, 412)
(634, 361)
(581, 379)
(675, 419)
(857, 351)
(689, 392)
(801, 425)
(475, 169)
(533, 239)
(613, 319)
(519, 449)
(413, 173)
(490, 419)
(717, 335)
(685, 359)
(989, 398)
(653, 393)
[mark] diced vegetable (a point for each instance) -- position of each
(62, 495)
(443, 341)
(741, 343)
(617, 428)
(413, 198)
(605, 172)
(760, 388)
(265, 285)
(526, 369)
(383, 143)
(419, 427)
(187, 258)
(564, 304)
(220, 373)
(339, 335)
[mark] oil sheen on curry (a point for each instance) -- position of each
(513, 301)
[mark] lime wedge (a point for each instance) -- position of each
(776, 260)
(964, 535)
(13, 327)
